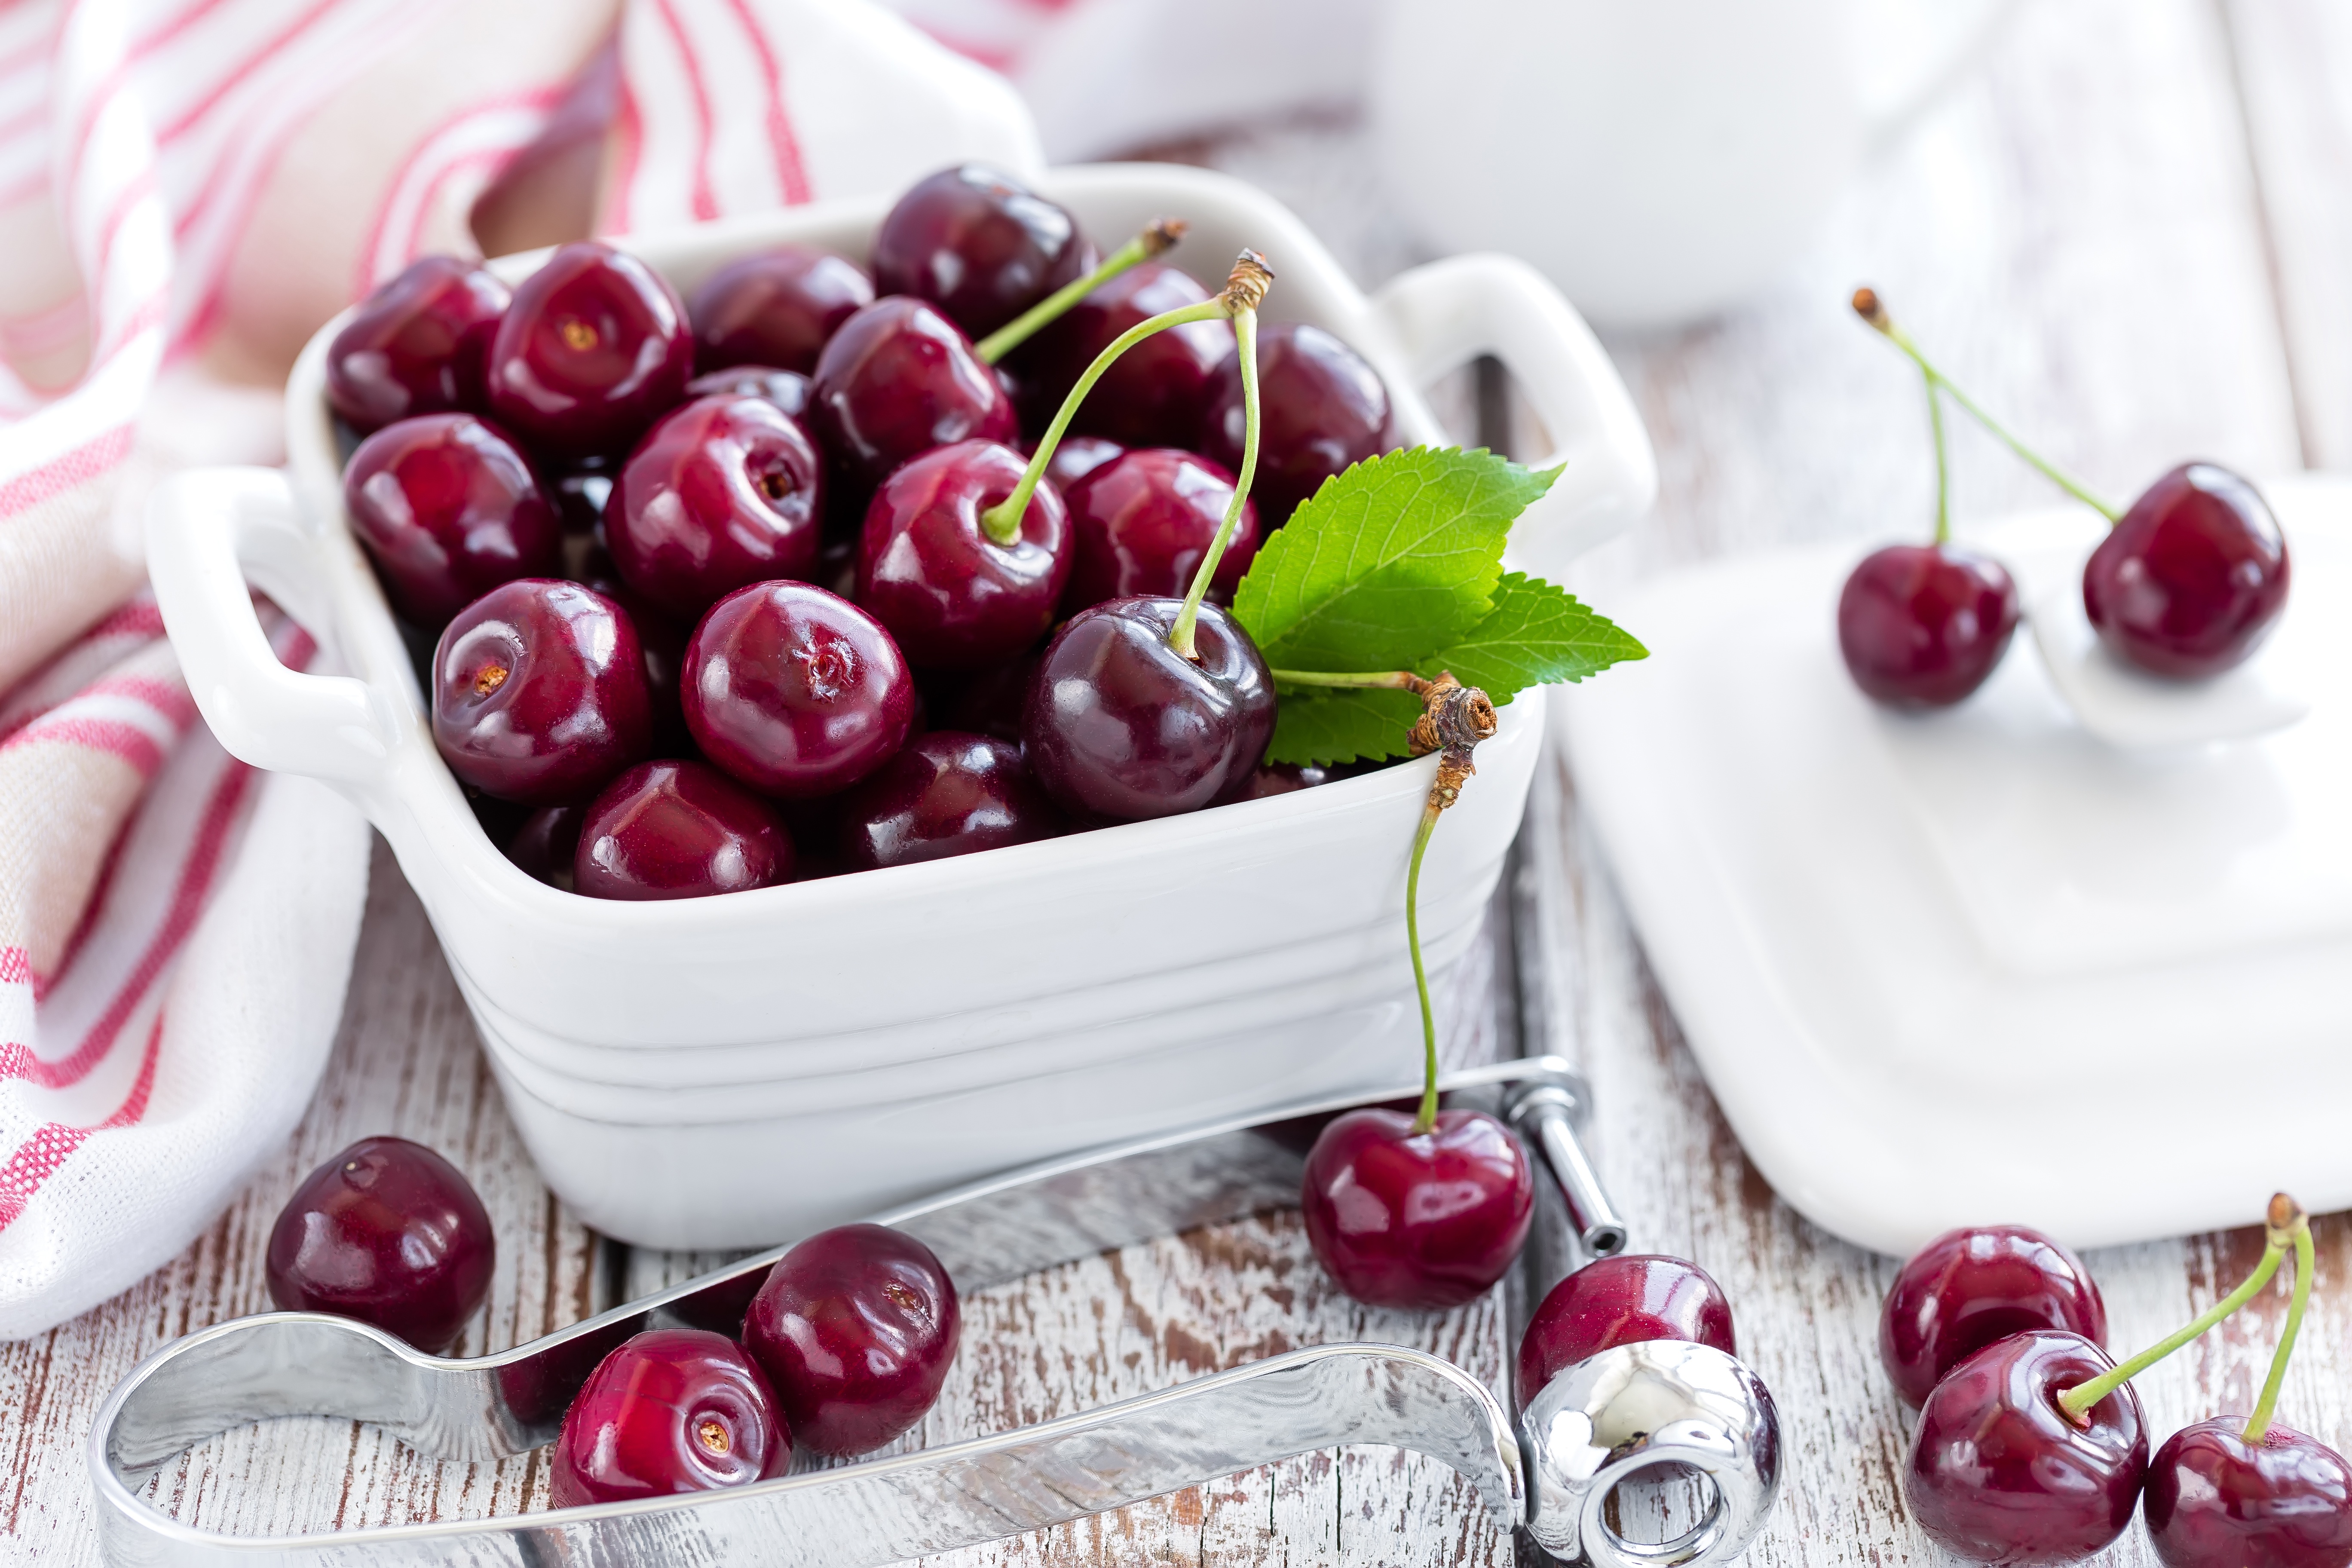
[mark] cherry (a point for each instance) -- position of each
(1322, 409)
(669, 1410)
(1141, 523)
(2215, 1500)
(1969, 1288)
(539, 692)
(1272, 779)
(1120, 724)
(794, 691)
(949, 792)
(390, 1233)
(787, 389)
(417, 345)
(1617, 1302)
(1078, 456)
(724, 493)
(1998, 1473)
(2191, 579)
(1422, 1220)
(678, 830)
(542, 844)
(447, 509)
(593, 350)
(1921, 625)
(897, 379)
(856, 1326)
(951, 595)
(978, 243)
(774, 308)
(1159, 390)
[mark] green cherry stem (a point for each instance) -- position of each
(2258, 1425)
(1390, 679)
(1871, 309)
(1245, 291)
(1427, 1118)
(1159, 237)
(1943, 462)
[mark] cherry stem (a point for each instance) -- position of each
(1390, 679)
(1159, 237)
(2258, 1425)
(1180, 635)
(1427, 1118)
(1871, 309)
(1943, 464)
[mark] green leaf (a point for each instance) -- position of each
(1387, 563)
(1537, 634)
(1341, 726)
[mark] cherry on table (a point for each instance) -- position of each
(952, 596)
(795, 691)
(1157, 393)
(672, 829)
(1616, 1301)
(1922, 626)
(2192, 578)
(895, 381)
(980, 245)
(723, 492)
(2215, 1500)
(390, 1233)
(539, 692)
(447, 509)
(856, 1326)
(1971, 1286)
(418, 344)
(1425, 1220)
(1321, 408)
(1141, 523)
(775, 307)
(593, 349)
(951, 792)
(787, 389)
(669, 1410)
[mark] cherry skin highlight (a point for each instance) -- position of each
(2215, 1500)
(1997, 1473)
(978, 243)
(1922, 626)
(1141, 523)
(593, 349)
(794, 691)
(1620, 1301)
(390, 1233)
(447, 509)
(2192, 579)
(678, 830)
(1424, 1221)
(417, 345)
(1969, 1288)
(539, 692)
(855, 1327)
(724, 493)
(775, 307)
(1118, 724)
(953, 597)
(1075, 457)
(949, 792)
(669, 1410)
(1321, 409)
(1156, 394)
(895, 381)
(787, 389)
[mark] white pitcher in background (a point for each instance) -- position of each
(1660, 159)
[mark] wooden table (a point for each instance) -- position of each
(2133, 233)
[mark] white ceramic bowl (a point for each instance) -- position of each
(725, 1071)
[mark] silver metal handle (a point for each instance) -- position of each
(1546, 1115)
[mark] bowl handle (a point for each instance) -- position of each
(204, 528)
(1448, 313)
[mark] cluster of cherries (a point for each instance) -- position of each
(2187, 584)
(2031, 1446)
(705, 577)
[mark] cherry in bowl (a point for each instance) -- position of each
(1971, 1286)
(978, 243)
(794, 691)
(775, 307)
(418, 344)
(390, 1233)
(1922, 626)
(448, 508)
(669, 1410)
(539, 692)
(1321, 409)
(1157, 393)
(1620, 1301)
(895, 381)
(949, 792)
(672, 829)
(593, 349)
(856, 1326)
(1141, 523)
(952, 595)
(1421, 1220)
(2191, 579)
(722, 493)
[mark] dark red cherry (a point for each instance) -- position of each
(669, 1410)
(1998, 1473)
(678, 830)
(1285, 778)
(1921, 625)
(390, 1233)
(1075, 457)
(1141, 523)
(774, 308)
(539, 692)
(1968, 1288)
(417, 345)
(661, 638)
(593, 349)
(724, 493)
(949, 792)
(2193, 578)
(2215, 1500)
(1157, 393)
(542, 844)
(1426, 1221)
(952, 596)
(1120, 724)
(856, 1326)
(1321, 409)
(447, 510)
(794, 691)
(897, 379)
(787, 389)
(1618, 1301)
(978, 243)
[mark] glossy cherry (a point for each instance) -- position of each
(672, 829)
(2214, 1501)
(390, 1233)
(980, 245)
(775, 307)
(1618, 1301)
(856, 1326)
(895, 381)
(1077, 455)
(669, 1410)
(542, 844)
(593, 349)
(1321, 408)
(417, 345)
(1921, 625)
(2192, 578)
(794, 691)
(1285, 778)
(539, 692)
(1970, 1286)
(1997, 1473)
(724, 493)
(448, 508)
(1120, 724)
(1141, 523)
(787, 389)
(1418, 1220)
(949, 792)
(1157, 393)
(952, 596)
